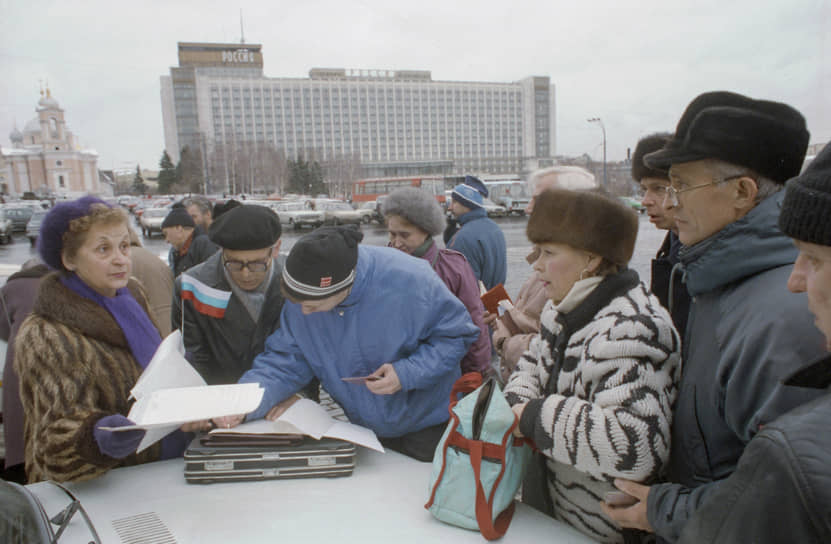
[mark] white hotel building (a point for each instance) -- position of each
(398, 122)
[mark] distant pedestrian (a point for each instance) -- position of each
(479, 238)
(189, 243)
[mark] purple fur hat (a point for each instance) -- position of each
(55, 225)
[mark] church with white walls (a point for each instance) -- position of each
(45, 159)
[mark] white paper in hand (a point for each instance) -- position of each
(168, 368)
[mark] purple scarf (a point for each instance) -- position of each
(142, 336)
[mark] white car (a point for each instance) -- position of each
(151, 221)
(494, 209)
(337, 212)
(297, 214)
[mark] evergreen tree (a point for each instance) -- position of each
(138, 182)
(306, 177)
(189, 171)
(167, 173)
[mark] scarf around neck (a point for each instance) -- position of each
(142, 336)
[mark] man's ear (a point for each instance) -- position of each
(276, 250)
(746, 190)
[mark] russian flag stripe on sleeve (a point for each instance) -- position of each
(206, 299)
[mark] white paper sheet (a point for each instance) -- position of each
(308, 417)
(167, 368)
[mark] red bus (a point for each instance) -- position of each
(368, 190)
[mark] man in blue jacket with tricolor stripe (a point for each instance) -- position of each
(360, 311)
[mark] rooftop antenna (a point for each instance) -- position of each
(241, 31)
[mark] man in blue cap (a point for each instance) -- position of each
(479, 239)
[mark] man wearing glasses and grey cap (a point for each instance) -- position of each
(231, 303)
(728, 162)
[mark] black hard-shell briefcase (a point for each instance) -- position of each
(304, 458)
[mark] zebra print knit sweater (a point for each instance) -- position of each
(599, 382)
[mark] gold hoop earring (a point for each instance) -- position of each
(582, 273)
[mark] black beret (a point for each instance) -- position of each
(321, 263)
(767, 137)
(646, 145)
(178, 217)
(246, 227)
(806, 209)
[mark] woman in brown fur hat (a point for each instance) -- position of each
(83, 347)
(595, 388)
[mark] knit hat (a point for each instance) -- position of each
(321, 263)
(586, 220)
(178, 217)
(56, 223)
(646, 145)
(246, 227)
(806, 209)
(768, 137)
(416, 206)
(469, 194)
(222, 207)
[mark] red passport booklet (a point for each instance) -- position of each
(492, 297)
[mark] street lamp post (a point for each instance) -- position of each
(599, 121)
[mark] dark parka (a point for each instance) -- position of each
(198, 252)
(222, 349)
(781, 490)
(746, 333)
(668, 286)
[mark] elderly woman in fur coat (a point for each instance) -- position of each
(596, 386)
(83, 347)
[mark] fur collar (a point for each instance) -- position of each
(56, 302)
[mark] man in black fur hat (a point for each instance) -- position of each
(728, 162)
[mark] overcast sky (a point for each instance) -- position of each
(634, 64)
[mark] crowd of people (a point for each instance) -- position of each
(686, 408)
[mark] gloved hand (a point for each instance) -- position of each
(116, 444)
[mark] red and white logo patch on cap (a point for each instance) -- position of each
(326, 282)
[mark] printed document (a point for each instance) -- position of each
(308, 417)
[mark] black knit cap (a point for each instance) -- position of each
(246, 227)
(178, 217)
(806, 210)
(321, 263)
(646, 145)
(768, 137)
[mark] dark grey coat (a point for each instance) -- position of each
(746, 333)
(781, 489)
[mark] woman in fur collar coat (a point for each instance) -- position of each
(596, 386)
(83, 347)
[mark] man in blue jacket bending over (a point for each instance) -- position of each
(355, 311)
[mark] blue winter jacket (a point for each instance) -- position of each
(483, 243)
(746, 332)
(399, 311)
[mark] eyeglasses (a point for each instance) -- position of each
(672, 193)
(252, 266)
(657, 190)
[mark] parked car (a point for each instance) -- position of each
(20, 216)
(297, 214)
(337, 212)
(633, 203)
(33, 226)
(370, 211)
(494, 209)
(151, 221)
(6, 227)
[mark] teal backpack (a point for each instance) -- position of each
(479, 464)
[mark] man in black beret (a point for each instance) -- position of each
(728, 162)
(228, 305)
(189, 245)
